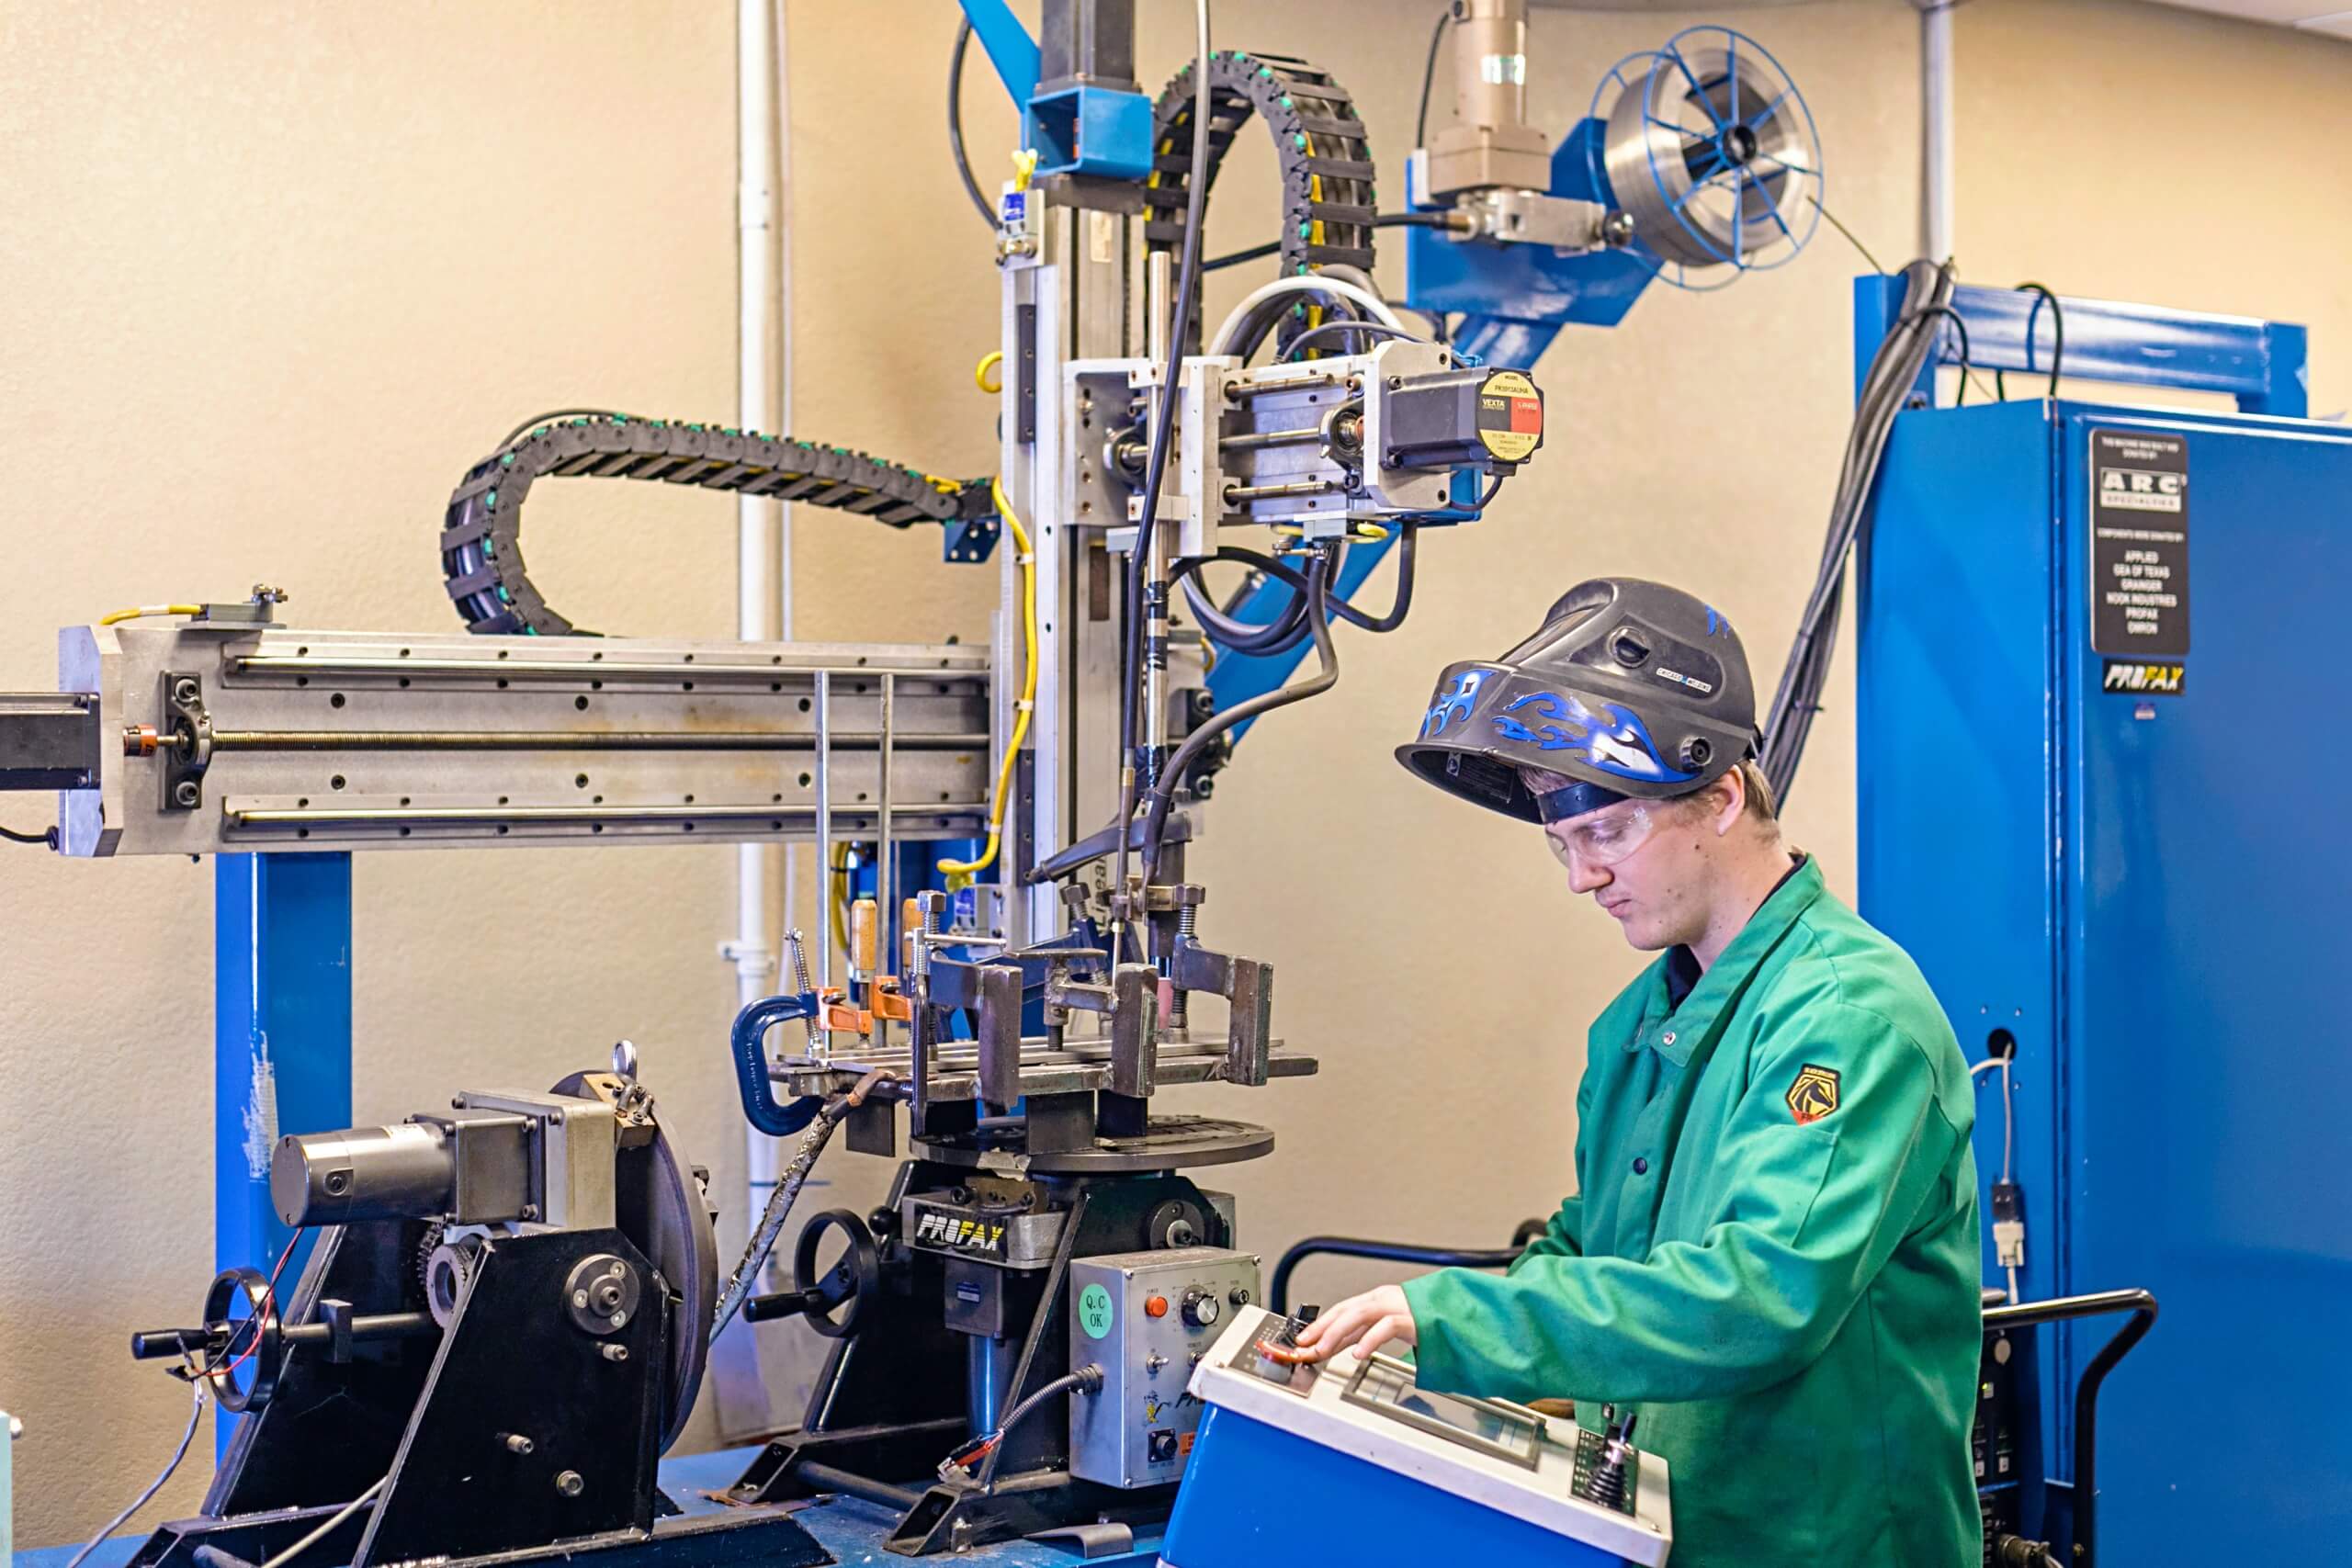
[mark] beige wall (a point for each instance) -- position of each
(271, 274)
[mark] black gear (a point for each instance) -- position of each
(1630, 689)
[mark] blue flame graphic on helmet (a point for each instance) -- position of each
(1455, 704)
(1617, 743)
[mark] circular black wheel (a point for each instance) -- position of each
(848, 1285)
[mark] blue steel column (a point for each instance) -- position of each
(281, 1036)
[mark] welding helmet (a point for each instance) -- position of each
(1630, 690)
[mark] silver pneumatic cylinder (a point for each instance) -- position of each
(363, 1173)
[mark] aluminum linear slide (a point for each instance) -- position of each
(217, 738)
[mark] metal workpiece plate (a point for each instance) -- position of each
(1078, 1067)
(332, 739)
(1173, 1142)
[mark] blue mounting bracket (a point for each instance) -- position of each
(1102, 131)
(2263, 364)
(1517, 297)
(1105, 132)
(281, 1037)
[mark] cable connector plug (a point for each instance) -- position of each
(2008, 1224)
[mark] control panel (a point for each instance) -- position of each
(1396, 1472)
(1147, 1319)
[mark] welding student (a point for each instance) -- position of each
(1773, 1254)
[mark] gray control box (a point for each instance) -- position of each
(1147, 1318)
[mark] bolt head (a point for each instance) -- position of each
(617, 1352)
(186, 791)
(571, 1484)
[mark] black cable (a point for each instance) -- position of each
(1408, 547)
(1903, 356)
(1187, 288)
(2057, 335)
(1254, 639)
(1369, 329)
(1088, 1378)
(1429, 77)
(1318, 619)
(956, 122)
(46, 836)
(539, 418)
(1960, 393)
(1385, 221)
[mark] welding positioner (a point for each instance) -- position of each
(500, 1329)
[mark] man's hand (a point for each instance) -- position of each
(1371, 1320)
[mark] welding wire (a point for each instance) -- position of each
(195, 1415)
(291, 1552)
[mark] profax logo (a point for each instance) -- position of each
(957, 1233)
(2145, 679)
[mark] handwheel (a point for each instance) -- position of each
(848, 1285)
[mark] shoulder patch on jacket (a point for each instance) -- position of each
(1813, 1095)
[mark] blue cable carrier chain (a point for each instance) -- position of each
(1708, 147)
(481, 550)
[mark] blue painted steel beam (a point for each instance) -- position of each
(1010, 48)
(281, 1037)
(2261, 364)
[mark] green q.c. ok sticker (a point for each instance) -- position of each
(1094, 1311)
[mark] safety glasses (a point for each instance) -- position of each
(1603, 837)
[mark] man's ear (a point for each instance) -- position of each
(1726, 802)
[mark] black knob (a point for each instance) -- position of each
(1201, 1308)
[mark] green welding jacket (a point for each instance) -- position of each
(1773, 1254)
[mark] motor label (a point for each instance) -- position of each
(1511, 416)
(2141, 680)
(2138, 545)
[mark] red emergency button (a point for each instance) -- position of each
(1156, 1306)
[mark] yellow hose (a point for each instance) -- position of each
(136, 611)
(1028, 685)
(981, 372)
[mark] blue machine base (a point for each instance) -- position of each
(1255, 1494)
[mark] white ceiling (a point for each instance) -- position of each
(2312, 14)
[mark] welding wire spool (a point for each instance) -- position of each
(481, 554)
(1320, 146)
(1712, 152)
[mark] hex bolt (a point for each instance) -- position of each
(518, 1444)
(617, 1352)
(570, 1483)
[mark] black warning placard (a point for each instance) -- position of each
(2139, 543)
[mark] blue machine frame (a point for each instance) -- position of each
(2078, 869)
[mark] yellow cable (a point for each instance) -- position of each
(981, 372)
(1025, 168)
(132, 615)
(1028, 685)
